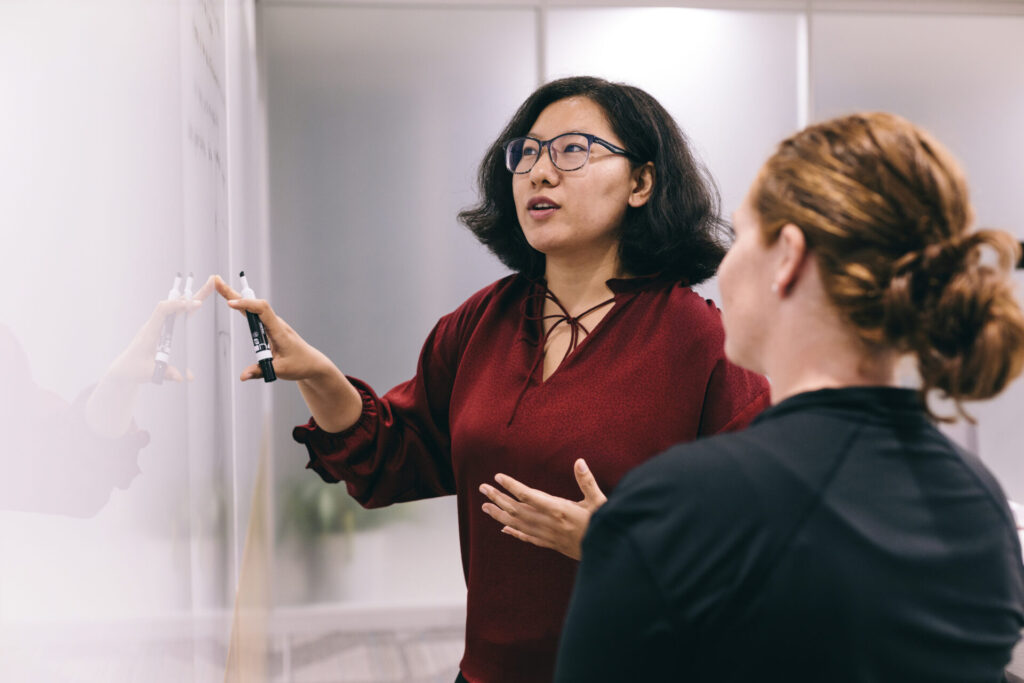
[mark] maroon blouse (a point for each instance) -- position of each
(651, 373)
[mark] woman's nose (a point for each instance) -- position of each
(544, 169)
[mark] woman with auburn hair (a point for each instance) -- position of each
(841, 537)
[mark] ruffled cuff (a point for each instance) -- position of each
(329, 452)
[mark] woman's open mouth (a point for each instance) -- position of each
(541, 207)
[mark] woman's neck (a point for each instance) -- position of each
(580, 284)
(827, 361)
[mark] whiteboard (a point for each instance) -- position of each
(133, 152)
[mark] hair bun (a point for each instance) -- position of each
(960, 315)
(918, 280)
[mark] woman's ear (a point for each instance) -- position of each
(643, 185)
(792, 245)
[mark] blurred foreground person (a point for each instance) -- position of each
(841, 537)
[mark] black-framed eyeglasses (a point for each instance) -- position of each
(568, 151)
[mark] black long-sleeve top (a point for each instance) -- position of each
(840, 538)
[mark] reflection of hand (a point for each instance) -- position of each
(542, 519)
(294, 358)
(110, 406)
(136, 362)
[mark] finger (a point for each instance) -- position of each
(150, 331)
(498, 498)
(512, 509)
(538, 499)
(584, 477)
(530, 523)
(208, 286)
(188, 375)
(172, 373)
(224, 289)
(496, 513)
(251, 372)
(527, 538)
(169, 307)
(162, 310)
(260, 307)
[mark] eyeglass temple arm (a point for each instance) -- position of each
(613, 147)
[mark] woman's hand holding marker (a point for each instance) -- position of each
(336, 404)
(294, 358)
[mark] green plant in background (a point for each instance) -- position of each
(311, 507)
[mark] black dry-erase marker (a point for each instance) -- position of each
(163, 348)
(259, 335)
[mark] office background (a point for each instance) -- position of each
(325, 147)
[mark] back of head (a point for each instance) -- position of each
(885, 210)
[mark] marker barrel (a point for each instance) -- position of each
(261, 346)
(163, 349)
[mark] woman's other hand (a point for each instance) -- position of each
(542, 519)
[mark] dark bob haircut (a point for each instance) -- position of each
(676, 234)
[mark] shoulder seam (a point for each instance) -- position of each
(813, 505)
(624, 532)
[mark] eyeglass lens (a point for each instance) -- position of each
(568, 152)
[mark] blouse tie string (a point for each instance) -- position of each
(564, 317)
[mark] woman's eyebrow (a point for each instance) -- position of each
(533, 135)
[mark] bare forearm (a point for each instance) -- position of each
(333, 401)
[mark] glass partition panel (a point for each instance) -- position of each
(119, 497)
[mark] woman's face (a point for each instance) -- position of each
(745, 280)
(574, 213)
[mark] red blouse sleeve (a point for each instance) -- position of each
(400, 449)
(733, 398)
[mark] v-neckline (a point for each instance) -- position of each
(575, 351)
(532, 331)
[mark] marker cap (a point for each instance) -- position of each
(267, 366)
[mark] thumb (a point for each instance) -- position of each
(588, 485)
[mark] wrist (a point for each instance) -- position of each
(324, 373)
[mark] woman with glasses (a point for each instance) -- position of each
(841, 537)
(594, 355)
